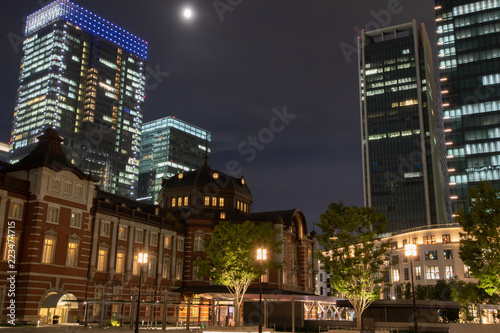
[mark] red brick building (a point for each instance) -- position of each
(73, 250)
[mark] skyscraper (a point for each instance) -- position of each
(404, 166)
(468, 34)
(85, 77)
(169, 146)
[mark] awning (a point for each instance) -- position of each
(60, 300)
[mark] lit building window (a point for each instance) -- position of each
(418, 273)
(167, 242)
(102, 260)
(72, 256)
(120, 262)
(207, 201)
(395, 275)
(186, 200)
(48, 249)
(174, 201)
(214, 201)
(15, 210)
(448, 271)
(122, 233)
(432, 272)
(446, 238)
(467, 273)
(221, 202)
(429, 239)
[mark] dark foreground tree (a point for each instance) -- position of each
(231, 252)
(480, 249)
(353, 253)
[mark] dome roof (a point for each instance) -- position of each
(206, 177)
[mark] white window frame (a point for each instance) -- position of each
(69, 261)
(136, 236)
(50, 214)
(19, 212)
(52, 250)
(153, 236)
(167, 244)
(180, 244)
(76, 216)
(124, 227)
(105, 229)
(122, 270)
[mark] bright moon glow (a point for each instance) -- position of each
(188, 13)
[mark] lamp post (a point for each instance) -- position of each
(411, 252)
(261, 256)
(142, 259)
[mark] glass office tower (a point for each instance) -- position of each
(169, 146)
(404, 166)
(468, 34)
(85, 77)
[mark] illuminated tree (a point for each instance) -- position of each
(353, 253)
(480, 249)
(231, 252)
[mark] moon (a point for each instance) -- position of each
(187, 13)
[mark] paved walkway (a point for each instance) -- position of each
(81, 329)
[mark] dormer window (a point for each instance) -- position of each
(215, 175)
(181, 175)
(242, 181)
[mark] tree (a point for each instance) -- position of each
(353, 253)
(480, 250)
(468, 294)
(231, 252)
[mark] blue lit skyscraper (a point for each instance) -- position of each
(85, 77)
(169, 146)
(468, 34)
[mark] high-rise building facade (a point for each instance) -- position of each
(169, 146)
(404, 166)
(83, 76)
(468, 35)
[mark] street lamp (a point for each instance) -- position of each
(261, 256)
(142, 259)
(411, 252)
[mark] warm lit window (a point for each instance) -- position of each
(432, 272)
(166, 268)
(179, 269)
(102, 259)
(446, 238)
(76, 220)
(395, 275)
(105, 229)
(448, 254)
(418, 273)
(180, 244)
(285, 280)
(448, 271)
(429, 239)
(179, 201)
(221, 202)
(214, 201)
(122, 233)
(222, 215)
(120, 262)
(198, 243)
(186, 201)
(135, 265)
(48, 250)
(53, 215)
(15, 211)
(309, 256)
(72, 256)
(207, 201)
(167, 242)
(174, 202)
(139, 233)
(10, 248)
(263, 277)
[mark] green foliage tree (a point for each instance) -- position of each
(353, 253)
(480, 250)
(468, 294)
(231, 252)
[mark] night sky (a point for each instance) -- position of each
(271, 70)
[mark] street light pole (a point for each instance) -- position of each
(261, 256)
(142, 259)
(411, 251)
